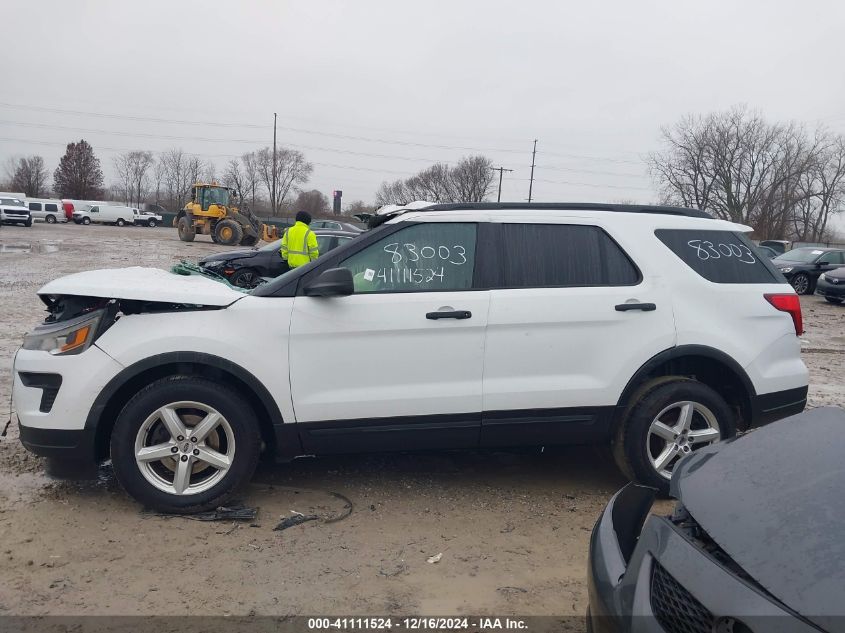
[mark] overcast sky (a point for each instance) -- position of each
(374, 91)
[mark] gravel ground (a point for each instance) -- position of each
(512, 527)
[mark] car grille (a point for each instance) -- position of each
(675, 608)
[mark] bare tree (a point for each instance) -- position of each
(291, 170)
(468, 181)
(359, 206)
(233, 176)
(178, 176)
(251, 176)
(29, 176)
(314, 202)
(132, 170)
(741, 168)
(472, 179)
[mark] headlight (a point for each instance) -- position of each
(788, 269)
(823, 277)
(67, 337)
(219, 263)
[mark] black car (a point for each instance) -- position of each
(334, 225)
(768, 251)
(831, 285)
(802, 266)
(754, 543)
(245, 268)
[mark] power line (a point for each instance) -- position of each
(298, 130)
(587, 184)
(127, 149)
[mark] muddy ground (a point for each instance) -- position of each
(512, 527)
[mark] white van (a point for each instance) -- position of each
(106, 214)
(44, 210)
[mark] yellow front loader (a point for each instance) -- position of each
(216, 210)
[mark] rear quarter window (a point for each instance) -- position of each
(723, 257)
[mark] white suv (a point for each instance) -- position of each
(657, 330)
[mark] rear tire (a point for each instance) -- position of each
(640, 441)
(120, 222)
(833, 300)
(802, 284)
(186, 230)
(157, 480)
(228, 232)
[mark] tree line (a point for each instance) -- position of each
(782, 179)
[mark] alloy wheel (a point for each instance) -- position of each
(676, 431)
(801, 284)
(184, 448)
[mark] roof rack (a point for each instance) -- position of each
(568, 206)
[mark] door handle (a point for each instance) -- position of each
(645, 307)
(449, 314)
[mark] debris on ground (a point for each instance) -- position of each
(225, 513)
(435, 559)
(297, 519)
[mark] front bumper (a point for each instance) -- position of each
(827, 289)
(625, 597)
(53, 396)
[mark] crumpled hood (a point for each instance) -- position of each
(228, 255)
(773, 500)
(144, 284)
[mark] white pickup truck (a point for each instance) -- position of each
(146, 218)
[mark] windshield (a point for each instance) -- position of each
(802, 255)
(12, 201)
(216, 195)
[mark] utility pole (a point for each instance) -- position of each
(531, 184)
(500, 170)
(273, 194)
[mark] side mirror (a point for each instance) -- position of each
(335, 282)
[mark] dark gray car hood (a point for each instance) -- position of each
(774, 500)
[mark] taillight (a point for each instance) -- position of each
(791, 304)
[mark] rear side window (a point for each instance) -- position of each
(51, 207)
(561, 255)
(723, 257)
(35, 206)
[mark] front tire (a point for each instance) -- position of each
(151, 223)
(802, 284)
(50, 219)
(834, 300)
(217, 453)
(185, 228)
(245, 278)
(669, 422)
(86, 221)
